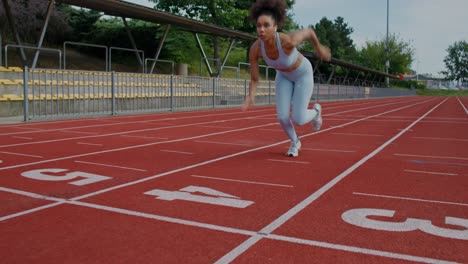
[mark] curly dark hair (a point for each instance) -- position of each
(274, 8)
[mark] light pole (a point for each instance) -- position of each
(387, 62)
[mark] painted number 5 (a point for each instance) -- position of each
(359, 217)
(44, 175)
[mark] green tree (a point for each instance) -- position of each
(82, 22)
(337, 36)
(456, 62)
(374, 55)
(29, 17)
(231, 14)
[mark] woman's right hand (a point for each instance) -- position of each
(324, 53)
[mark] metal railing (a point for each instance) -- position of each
(54, 94)
(164, 61)
(125, 49)
(33, 48)
(87, 45)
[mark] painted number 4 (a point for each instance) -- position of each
(360, 217)
(45, 175)
(210, 196)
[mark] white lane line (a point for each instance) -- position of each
(331, 150)
(188, 125)
(32, 195)
(21, 154)
(25, 128)
(437, 138)
(79, 132)
(466, 111)
(216, 126)
(400, 129)
(30, 211)
(425, 156)
(201, 163)
(289, 161)
(254, 236)
(240, 249)
(120, 123)
(120, 133)
(222, 143)
(408, 198)
(250, 182)
(144, 137)
(143, 145)
(22, 137)
(108, 165)
(352, 134)
(435, 173)
(175, 151)
(91, 144)
(359, 250)
(275, 130)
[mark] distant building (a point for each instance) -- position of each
(431, 82)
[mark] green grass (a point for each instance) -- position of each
(442, 92)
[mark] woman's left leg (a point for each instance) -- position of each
(303, 89)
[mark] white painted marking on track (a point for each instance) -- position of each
(408, 198)
(437, 138)
(216, 126)
(274, 130)
(233, 254)
(254, 236)
(32, 195)
(79, 132)
(466, 110)
(108, 165)
(250, 182)
(435, 173)
(91, 144)
(222, 143)
(289, 161)
(123, 133)
(144, 137)
(29, 128)
(22, 137)
(21, 154)
(352, 134)
(201, 163)
(153, 144)
(359, 250)
(425, 156)
(175, 151)
(331, 150)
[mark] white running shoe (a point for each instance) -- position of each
(294, 149)
(317, 121)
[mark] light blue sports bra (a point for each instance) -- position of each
(284, 61)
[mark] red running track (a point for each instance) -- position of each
(384, 181)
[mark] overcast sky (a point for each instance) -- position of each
(430, 26)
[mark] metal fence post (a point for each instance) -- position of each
(113, 92)
(25, 93)
(213, 98)
(172, 93)
(245, 89)
(269, 92)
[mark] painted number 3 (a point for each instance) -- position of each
(360, 217)
(44, 175)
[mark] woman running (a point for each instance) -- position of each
(294, 75)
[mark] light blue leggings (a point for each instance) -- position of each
(296, 87)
